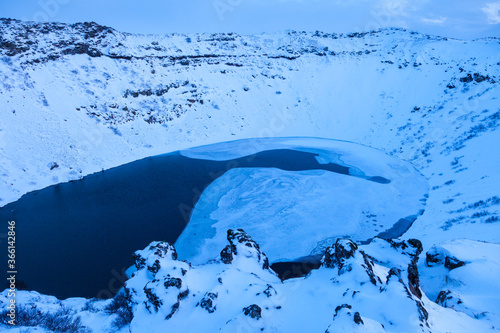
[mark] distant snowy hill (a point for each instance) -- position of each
(77, 99)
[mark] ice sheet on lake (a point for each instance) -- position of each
(362, 160)
(294, 214)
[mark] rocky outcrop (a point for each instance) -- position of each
(151, 256)
(347, 320)
(338, 254)
(438, 255)
(345, 256)
(448, 299)
(453, 300)
(24, 39)
(452, 263)
(208, 302)
(161, 285)
(240, 293)
(467, 267)
(411, 249)
(241, 245)
(476, 77)
(253, 311)
(413, 277)
(162, 279)
(173, 282)
(357, 318)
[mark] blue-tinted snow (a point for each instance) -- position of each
(292, 214)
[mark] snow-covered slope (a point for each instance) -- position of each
(80, 98)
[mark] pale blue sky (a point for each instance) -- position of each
(451, 18)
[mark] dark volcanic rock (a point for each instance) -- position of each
(340, 307)
(160, 250)
(335, 256)
(452, 263)
(81, 48)
(413, 279)
(394, 273)
(240, 243)
(153, 299)
(208, 302)
(357, 318)
(173, 282)
(447, 298)
(226, 254)
(253, 311)
(413, 248)
(432, 258)
(48, 41)
(139, 261)
(368, 266)
(155, 267)
(439, 256)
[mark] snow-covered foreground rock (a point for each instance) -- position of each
(77, 99)
(370, 288)
(461, 274)
(294, 214)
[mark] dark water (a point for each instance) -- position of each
(400, 227)
(298, 268)
(77, 238)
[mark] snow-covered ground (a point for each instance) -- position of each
(82, 98)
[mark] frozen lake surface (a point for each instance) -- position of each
(294, 196)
